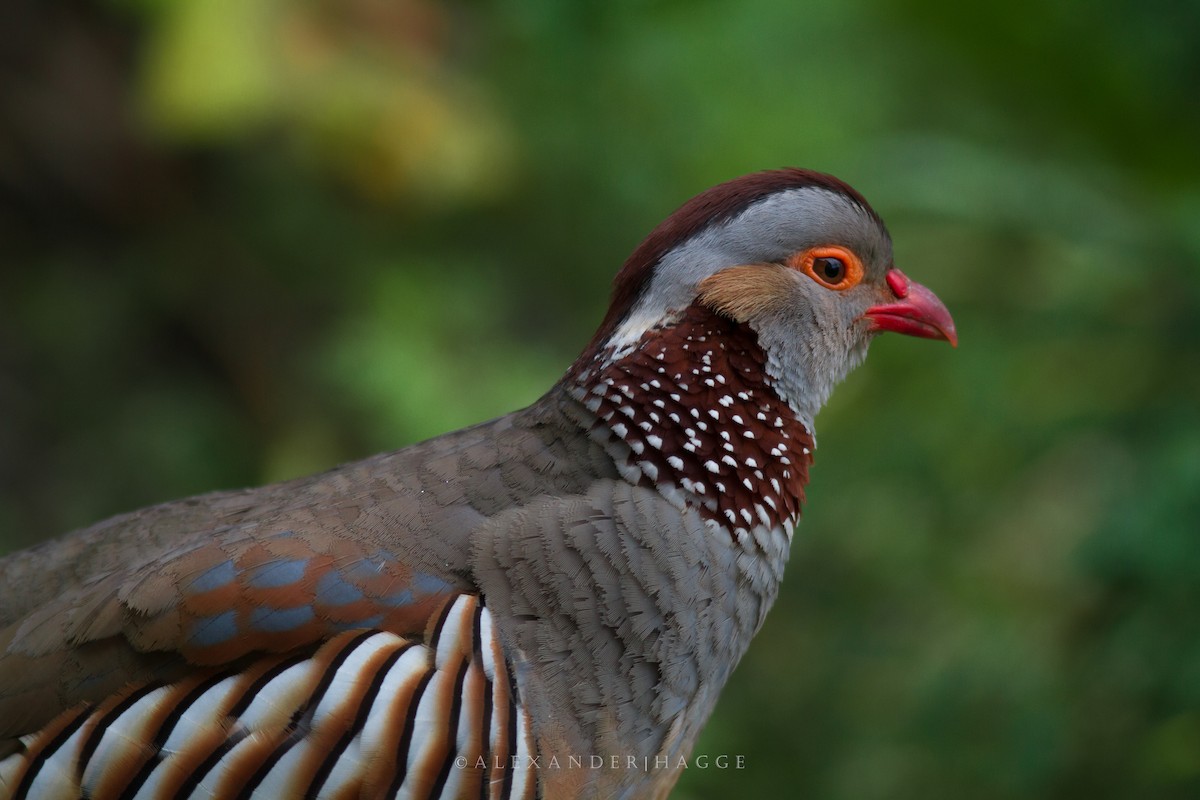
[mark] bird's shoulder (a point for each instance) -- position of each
(423, 499)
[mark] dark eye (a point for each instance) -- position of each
(831, 265)
(830, 269)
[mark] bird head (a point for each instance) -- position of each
(798, 257)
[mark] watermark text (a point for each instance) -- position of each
(627, 762)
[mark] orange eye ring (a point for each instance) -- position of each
(832, 266)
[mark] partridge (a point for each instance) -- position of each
(544, 605)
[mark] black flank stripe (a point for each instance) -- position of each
(486, 750)
(512, 684)
(135, 785)
(514, 751)
(251, 691)
(407, 734)
(476, 632)
(168, 725)
(269, 762)
(102, 725)
(372, 694)
(514, 702)
(437, 629)
(452, 730)
(305, 713)
(52, 746)
(206, 766)
(360, 719)
(485, 732)
(506, 789)
(335, 664)
(159, 740)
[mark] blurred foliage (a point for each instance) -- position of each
(245, 240)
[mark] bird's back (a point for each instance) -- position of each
(417, 507)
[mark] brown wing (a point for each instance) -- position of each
(235, 595)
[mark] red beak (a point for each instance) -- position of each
(916, 312)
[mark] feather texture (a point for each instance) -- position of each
(367, 714)
(545, 605)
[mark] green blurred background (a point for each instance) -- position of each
(244, 240)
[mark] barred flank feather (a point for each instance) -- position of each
(368, 714)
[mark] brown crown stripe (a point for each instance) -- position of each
(711, 207)
(694, 403)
